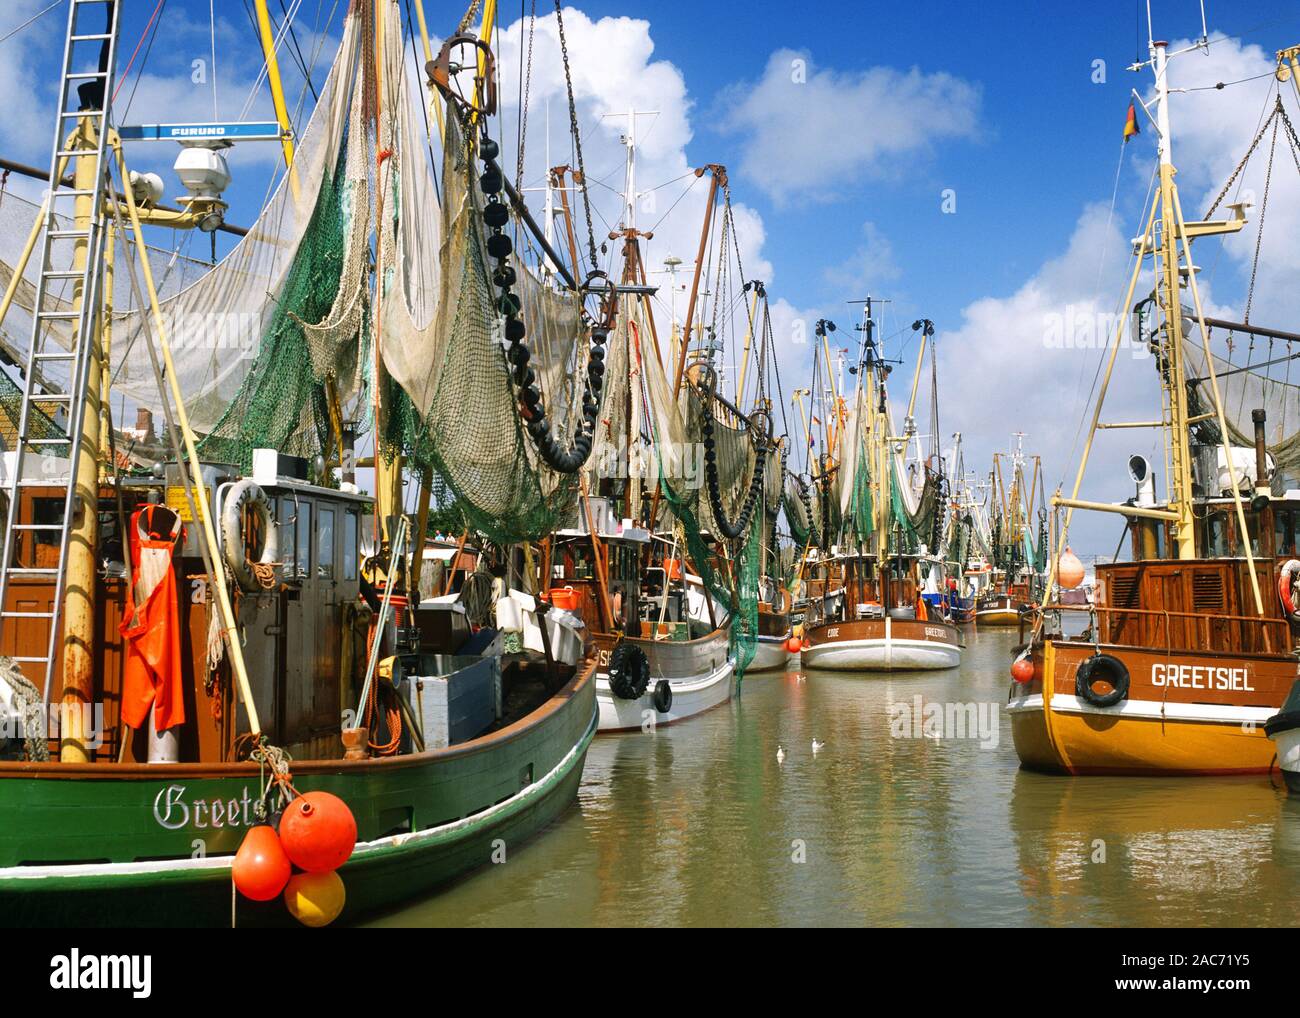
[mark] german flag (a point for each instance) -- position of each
(1131, 123)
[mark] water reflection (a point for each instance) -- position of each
(698, 824)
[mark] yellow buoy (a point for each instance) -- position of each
(315, 899)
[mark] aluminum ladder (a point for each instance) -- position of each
(78, 134)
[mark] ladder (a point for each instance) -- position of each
(89, 56)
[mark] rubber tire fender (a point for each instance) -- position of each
(1102, 666)
(629, 672)
(663, 696)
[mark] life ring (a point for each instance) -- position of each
(1286, 582)
(1102, 668)
(663, 696)
(629, 672)
(247, 495)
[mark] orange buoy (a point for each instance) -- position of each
(261, 867)
(793, 645)
(315, 899)
(318, 832)
(1069, 570)
(1022, 670)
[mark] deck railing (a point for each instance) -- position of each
(1271, 635)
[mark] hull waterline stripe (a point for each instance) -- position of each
(364, 851)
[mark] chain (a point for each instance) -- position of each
(1246, 158)
(523, 106)
(577, 137)
(1263, 210)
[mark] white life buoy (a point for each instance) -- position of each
(247, 495)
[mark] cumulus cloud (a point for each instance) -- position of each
(810, 135)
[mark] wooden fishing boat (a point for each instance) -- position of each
(1018, 556)
(1003, 608)
(254, 634)
(880, 602)
(663, 568)
(1188, 649)
(883, 644)
(775, 633)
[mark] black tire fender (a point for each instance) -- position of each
(663, 696)
(629, 672)
(1098, 668)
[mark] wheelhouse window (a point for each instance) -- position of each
(325, 545)
(1216, 536)
(304, 539)
(350, 537)
(1284, 521)
(287, 519)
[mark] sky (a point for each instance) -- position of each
(963, 161)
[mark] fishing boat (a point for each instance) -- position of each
(663, 557)
(236, 629)
(967, 542)
(868, 609)
(1187, 650)
(1019, 556)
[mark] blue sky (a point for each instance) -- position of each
(995, 101)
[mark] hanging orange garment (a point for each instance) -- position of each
(152, 678)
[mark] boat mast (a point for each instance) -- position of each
(1169, 301)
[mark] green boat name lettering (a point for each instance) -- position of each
(173, 810)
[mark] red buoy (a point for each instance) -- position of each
(318, 832)
(261, 867)
(793, 645)
(1022, 670)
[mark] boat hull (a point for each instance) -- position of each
(770, 653)
(85, 846)
(998, 610)
(1155, 730)
(700, 673)
(883, 645)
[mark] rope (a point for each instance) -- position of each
(577, 136)
(30, 706)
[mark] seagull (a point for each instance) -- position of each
(816, 746)
(780, 755)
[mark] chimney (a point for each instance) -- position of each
(1263, 492)
(144, 425)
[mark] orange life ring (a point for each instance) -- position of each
(1285, 583)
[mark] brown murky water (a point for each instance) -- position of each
(698, 824)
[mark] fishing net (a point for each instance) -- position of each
(732, 570)
(797, 503)
(468, 430)
(317, 332)
(39, 425)
(1243, 391)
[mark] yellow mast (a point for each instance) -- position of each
(1288, 67)
(277, 90)
(78, 688)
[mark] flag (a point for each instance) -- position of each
(1131, 123)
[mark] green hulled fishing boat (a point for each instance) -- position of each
(204, 627)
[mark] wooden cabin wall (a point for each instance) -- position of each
(1208, 589)
(203, 736)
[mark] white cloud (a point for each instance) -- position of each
(614, 71)
(870, 265)
(809, 135)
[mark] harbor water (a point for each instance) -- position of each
(914, 811)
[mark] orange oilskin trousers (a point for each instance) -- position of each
(152, 678)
